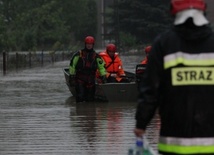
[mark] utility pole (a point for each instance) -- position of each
(100, 24)
(117, 32)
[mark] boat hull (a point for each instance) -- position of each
(120, 92)
(111, 92)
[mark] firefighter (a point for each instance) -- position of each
(140, 68)
(83, 66)
(147, 50)
(179, 80)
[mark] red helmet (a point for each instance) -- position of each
(89, 40)
(148, 49)
(179, 5)
(111, 47)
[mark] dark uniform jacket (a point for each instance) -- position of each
(84, 65)
(179, 79)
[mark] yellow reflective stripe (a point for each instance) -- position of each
(201, 141)
(185, 149)
(72, 68)
(192, 76)
(189, 56)
(186, 145)
(205, 59)
(188, 62)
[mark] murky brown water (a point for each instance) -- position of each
(39, 116)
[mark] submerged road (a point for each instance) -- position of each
(39, 116)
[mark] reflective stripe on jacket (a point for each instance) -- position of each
(179, 81)
(186, 145)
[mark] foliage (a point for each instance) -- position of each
(127, 40)
(143, 19)
(41, 24)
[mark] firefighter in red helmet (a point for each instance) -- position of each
(89, 40)
(83, 66)
(140, 68)
(179, 82)
(147, 50)
(113, 64)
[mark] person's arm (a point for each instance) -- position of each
(149, 90)
(101, 69)
(101, 66)
(73, 62)
(121, 72)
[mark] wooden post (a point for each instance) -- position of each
(52, 57)
(4, 63)
(42, 56)
(25, 60)
(30, 59)
(63, 55)
(17, 61)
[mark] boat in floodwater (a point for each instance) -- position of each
(111, 92)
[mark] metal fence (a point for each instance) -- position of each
(19, 60)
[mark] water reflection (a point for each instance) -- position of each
(38, 115)
(102, 127)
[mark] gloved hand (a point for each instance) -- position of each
(72, 80)
(103, 78)
(125, 78)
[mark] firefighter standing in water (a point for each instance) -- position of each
(113, 64)
(179, 80)
(83, 67)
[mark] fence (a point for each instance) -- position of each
(20, 60)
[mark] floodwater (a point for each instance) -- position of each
(39, 116)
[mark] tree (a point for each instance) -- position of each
(142, 19)
(81, 17)
(40, 24)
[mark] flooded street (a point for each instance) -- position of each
(38, 115)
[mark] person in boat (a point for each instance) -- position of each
(147, 50)
(113, 64)
(140, 68)
(179, 81)
(83, 66)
